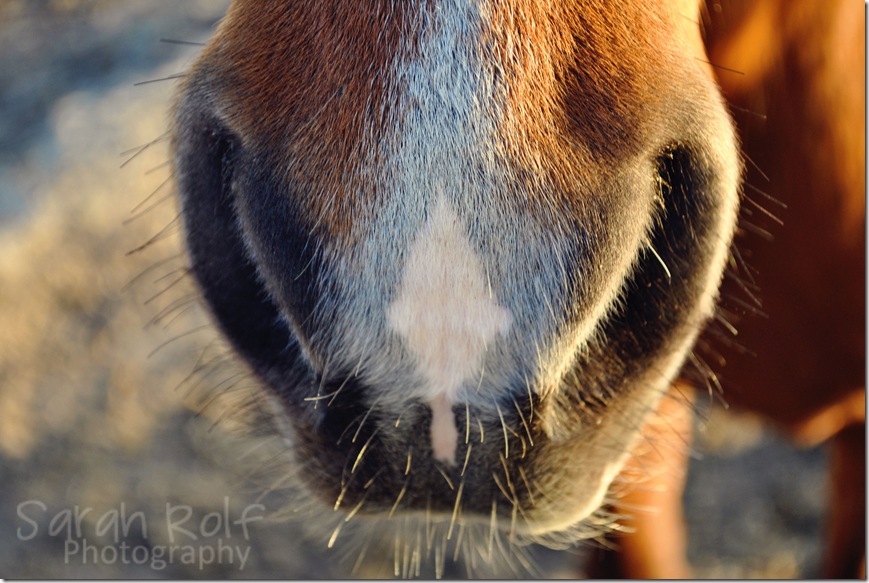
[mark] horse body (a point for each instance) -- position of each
(802, 77)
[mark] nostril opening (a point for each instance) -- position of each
(672, 271)
(681, 184)
(670, 165)
(205, 162)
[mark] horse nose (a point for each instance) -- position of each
(456, 304)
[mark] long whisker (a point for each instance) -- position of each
(504, 428)
(400, 496)
(524, 423)
(456, 506)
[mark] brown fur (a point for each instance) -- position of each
(341, 97)
(316, 108)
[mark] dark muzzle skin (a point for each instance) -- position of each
(464, 246)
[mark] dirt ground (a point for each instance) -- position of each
(115, 461)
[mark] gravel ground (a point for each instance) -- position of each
(97, 406)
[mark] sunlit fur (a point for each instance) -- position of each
(574, 157)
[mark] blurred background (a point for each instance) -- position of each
(99, 335)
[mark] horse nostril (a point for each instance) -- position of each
(205, 163)
(682, 189)
(670, 165)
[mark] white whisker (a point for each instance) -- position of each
(455, 509)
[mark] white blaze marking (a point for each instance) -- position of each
(444, 312)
